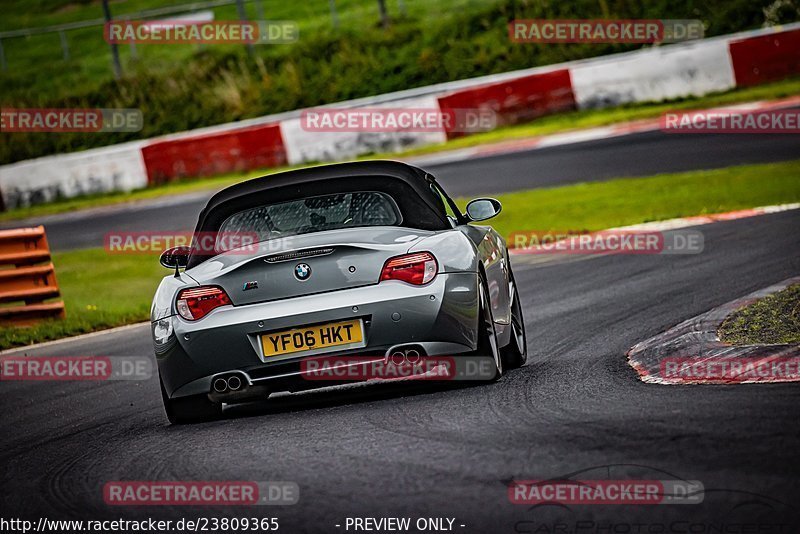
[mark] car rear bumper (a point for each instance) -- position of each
(441, 317)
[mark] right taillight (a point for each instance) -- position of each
(418, 268)
(197, 302)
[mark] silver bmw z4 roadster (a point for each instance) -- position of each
(367, 258)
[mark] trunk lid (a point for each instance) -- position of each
(306, 264)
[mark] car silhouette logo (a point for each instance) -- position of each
(302, 271)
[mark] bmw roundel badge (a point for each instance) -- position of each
(302, 271)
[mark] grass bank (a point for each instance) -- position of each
(183, 86)
(99, 291)
(775, 319)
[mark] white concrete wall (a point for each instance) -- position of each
(307, 146)
(654, 74)
(101, 170)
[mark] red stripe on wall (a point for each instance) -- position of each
(766, 58)
(517, 100)
(254, 147)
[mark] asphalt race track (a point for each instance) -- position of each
(402, 451)
(641, 154)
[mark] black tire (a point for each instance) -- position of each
(193, 409)
(487, 336)
(515, 354)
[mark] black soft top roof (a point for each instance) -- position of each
(415, 176)
(409, 186)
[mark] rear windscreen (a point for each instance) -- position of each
(314, 214)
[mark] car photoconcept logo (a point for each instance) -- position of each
(302, 271)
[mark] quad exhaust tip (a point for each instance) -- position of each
(400, 356)
(231, 383)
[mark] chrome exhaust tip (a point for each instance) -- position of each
(234, 383)
(412, 356)
(401, 354)
(220, 385)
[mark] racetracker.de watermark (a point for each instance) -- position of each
(785, 121)
(200, 493)
(398, 119)
(398, 366)
(605, 492)
(56, 120)
(605, 31)
(202, 243)
(731, 369)
(75, 368)
(681, 241)
(176, 31)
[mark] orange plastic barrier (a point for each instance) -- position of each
(27, 278)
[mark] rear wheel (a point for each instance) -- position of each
(515, 354)
(487, 337)
(192, 409)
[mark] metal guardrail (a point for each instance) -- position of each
(31, 279)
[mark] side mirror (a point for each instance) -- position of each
(481, 209)
(175, 258)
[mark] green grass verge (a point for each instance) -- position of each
(543, 126)
(625, 201)
(102, 291)
(772, 320)
(99, 291)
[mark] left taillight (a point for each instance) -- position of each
(197, 302)
(418, 268)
